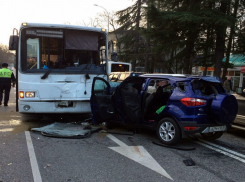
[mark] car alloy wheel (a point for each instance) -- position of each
(168, 131)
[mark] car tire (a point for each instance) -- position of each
(168, 131)
(212, 136)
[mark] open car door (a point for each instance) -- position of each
(100, 101)
(131, 99)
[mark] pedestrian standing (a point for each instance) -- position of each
(6, 77)
(228, 85)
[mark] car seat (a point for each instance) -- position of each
(155, 101)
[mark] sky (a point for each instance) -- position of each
(14, 12)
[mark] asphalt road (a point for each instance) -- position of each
(27, 156)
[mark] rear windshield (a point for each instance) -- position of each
(205, 88)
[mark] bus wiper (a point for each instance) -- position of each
(51, 68)
(87, 69)
(86, 76)
(47, 72)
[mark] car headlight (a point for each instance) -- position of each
(29, 94)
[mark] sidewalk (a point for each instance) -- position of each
(239, 97)
(11, 104)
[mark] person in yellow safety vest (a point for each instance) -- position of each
(6, 77)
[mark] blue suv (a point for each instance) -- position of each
(174, 106)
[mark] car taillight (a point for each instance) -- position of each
(190, 128)
(193, 101)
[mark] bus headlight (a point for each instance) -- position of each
(29, 94)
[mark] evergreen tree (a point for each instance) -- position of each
(189, 26)
(232, 31)
(177, 25)
(130, 20)
(181, 34)
(6, 56)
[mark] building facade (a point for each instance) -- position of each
(237, 73)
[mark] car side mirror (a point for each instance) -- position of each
(239, 91)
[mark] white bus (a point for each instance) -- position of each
(55, 66)
(114, 66)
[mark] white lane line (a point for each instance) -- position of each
(33, 159)
(223, 148)
(221, 151)
(138, 154)
(119, 142)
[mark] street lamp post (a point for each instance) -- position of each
(107, 32)
(107, 16)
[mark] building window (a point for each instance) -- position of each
(236, 81)
(237, 73)
(209, 73)
(231, 73)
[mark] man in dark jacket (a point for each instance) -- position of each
(228, 85)
(6, 77)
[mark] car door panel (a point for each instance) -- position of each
(100, 101)
(105, 109)
(131, 101)
(131, 105)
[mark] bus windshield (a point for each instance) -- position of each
(63, 50)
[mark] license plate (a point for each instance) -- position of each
(217, 128)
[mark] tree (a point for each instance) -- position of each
(220, 38)
(232, 31)
(177, 28)
(130, 20)
(6, 56)
(238, 39)
(190, 26)
(181, 34)
(103, 19)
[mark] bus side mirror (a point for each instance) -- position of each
(13, 42)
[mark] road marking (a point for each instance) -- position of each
(138, 154)
(223, 148)
(33, 160)
(221, 151)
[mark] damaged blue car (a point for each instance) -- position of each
(174, 106)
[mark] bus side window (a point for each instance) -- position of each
(33, 53)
